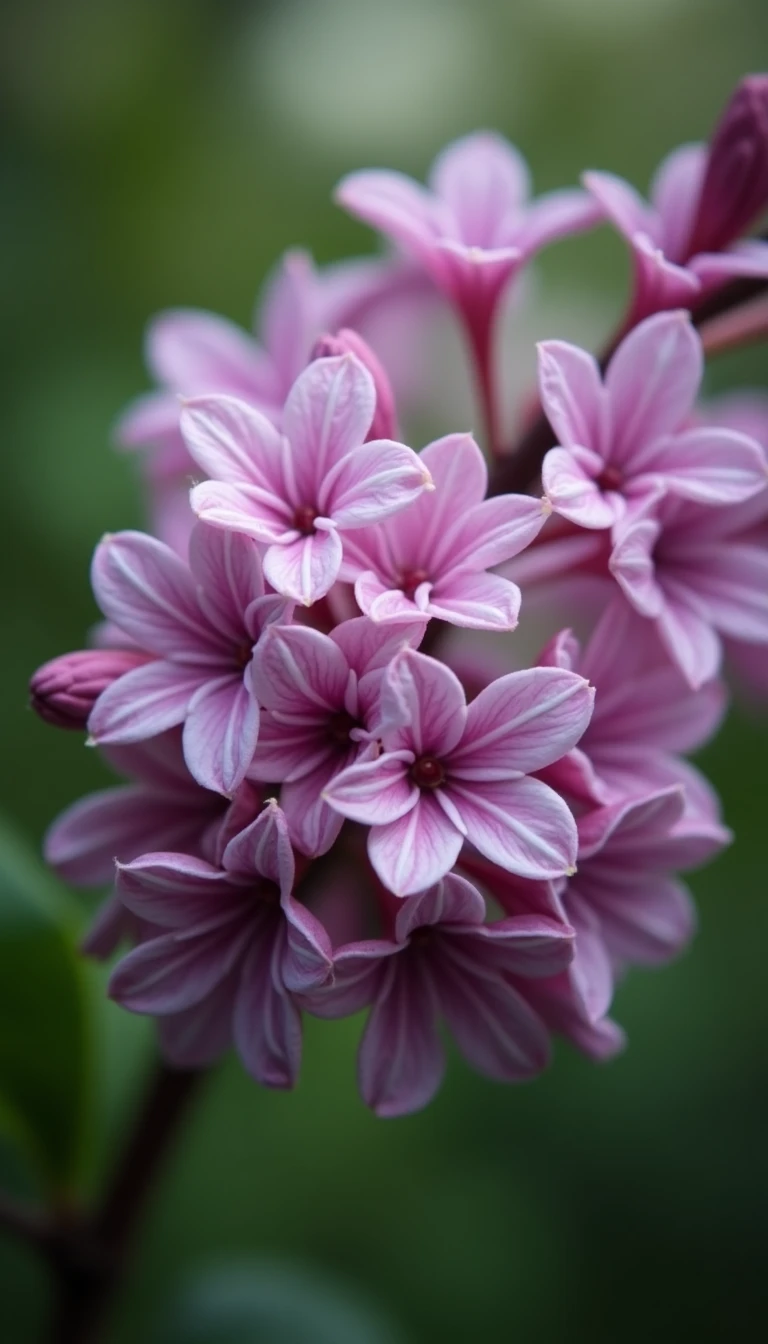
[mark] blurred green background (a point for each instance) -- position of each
(163, 152)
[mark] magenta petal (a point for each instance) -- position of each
(484, 180)
(143, 587)
(233, 442)
(652, 381)
(267, 1022)
(394, 204)
(357, 971)
(83, 843)
(299, 671)
(690, 641)
(489, 533)
(200, 1035)
(573, 491)
(591, 972)
(371, 483)
(220, 733)
(675, 192)
(374, 792)
(572, 395)
(632, 564)
(521, 723)
(306, 569)
(424, 694)
(477, 602)
(145, 702)
(711, 466)
(313, 825)
(401, 1061)
(417, 850)
(175, 890)
(328, 414)
(368, 647)
(249, 509)
(451, 901)
(493, 1026)
(227, 569)
(173, 972)
(190, 350)
(521, 824)
(263, 849)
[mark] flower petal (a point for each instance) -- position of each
(143, 587)
(220, 733)
(306, 569)
(233, 442)
(375, 792)
(401, 1061)
(417, 850)
(374, 481)
(521, 824)
(299, 671)
(652, 381)
(572, 395)
(425, 696)
(476, 601)
(145, 702)
(521, 723)
(227, 569)
(267, 1022)
(328, 414)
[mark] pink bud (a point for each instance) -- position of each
(735, 188)
(64, 691)
(345, 342)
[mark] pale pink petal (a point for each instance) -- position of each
(386, 605)
(287, 316)
(233, 442)
(488, 533)
(195, 351)
(144, 702)
(632, 564)
(288, 751)
(731, 588)
(572, 396)
(690, 641)
(458, 469)
(675, 191)
(401, 1061)
(376, 792)
(152, 421)
(250, 509)
(306, 569)
(424, 694)
(227, 569)
(395, 205)
(412, 853)
(374, 481)
(476, 601)
(620, 202)
(220, 733)
(521, 824)
(267, 1023)
(748, 259)
(328, 414)
(521, 723)
(711, 466)
(368, 647)
(484, 181)
(493, 1026)
(555, 215)
(572, 489)
(143, 587)
(652, 381)
(299, 671)
(659, 284)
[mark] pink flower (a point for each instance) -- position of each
(64, 691)
(698, 574)
(431, 559)
(473, 227)
(321, 696)
(624, 904)
(444, 961)
(201, 622)
(630, 433)
(452, 773)
(702, 200)
(232, 947)
(296, 492)
(644, 710)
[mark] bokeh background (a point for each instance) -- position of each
(164, 152)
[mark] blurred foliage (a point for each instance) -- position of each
(159, 152)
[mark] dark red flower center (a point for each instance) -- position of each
(244, 654)
(427, 772)
(340, 726)
(610, 478)
(411, 579)
(304, 519)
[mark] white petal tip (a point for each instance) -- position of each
(427, 481)
(569, 872)
(91, 742)
(546, 506)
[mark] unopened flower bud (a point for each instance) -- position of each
(64, 691)
(735, 188)
(346, 342)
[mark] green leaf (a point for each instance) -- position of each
(273, 1303)
(45, 1038)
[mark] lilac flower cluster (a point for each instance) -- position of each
(340, 797)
